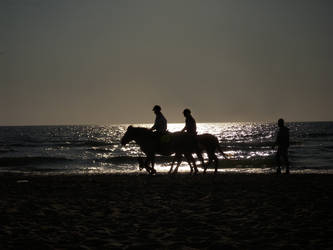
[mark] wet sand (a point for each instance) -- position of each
(224, 211)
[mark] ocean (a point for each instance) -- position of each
(97, 149)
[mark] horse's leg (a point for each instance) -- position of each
(190, 157)
(200, 157)
(189, 163)
(141, 163)
(220, 150)
(152, 161)
(173, 162)
(145, 164)
(216, 161)
(209, 162)
(179, 160)
(149, 160)
(210, 159)
(206, 165)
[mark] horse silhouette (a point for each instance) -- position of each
(207, 143)
(151, 144)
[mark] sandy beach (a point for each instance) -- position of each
(224, 211)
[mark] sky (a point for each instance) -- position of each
(109, 62)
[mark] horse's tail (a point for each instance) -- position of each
(219, 149)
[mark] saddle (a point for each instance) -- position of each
(163, 142)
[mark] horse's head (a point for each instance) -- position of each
(128, 136)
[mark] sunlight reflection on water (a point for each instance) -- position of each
(97, 149)
(235, 138)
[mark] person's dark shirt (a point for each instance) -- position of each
(190, 125)
(282, 139)
(160, 124)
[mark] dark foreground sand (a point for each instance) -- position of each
(232, 211)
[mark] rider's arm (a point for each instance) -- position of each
(155, 125)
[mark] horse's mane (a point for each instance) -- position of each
(142, 130)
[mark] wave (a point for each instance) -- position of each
(61, 144)
(23, 161)
(244, 163)
(250, 145)
(224, 163)
(99, 150)
(19, 145)
(3, 151)
(132, 159)
(315, 135)
(94, 143)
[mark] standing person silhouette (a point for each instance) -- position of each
(282, 141)
(190, 124)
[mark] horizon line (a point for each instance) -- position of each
(149, 123)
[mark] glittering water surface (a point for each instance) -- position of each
(97, 149)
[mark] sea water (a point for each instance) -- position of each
(97, 149)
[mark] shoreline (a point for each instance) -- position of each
(232, 211)
(164, 171)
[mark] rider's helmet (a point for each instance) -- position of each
(186, 112)
(157, 108)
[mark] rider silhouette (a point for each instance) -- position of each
(190, 124)
(160, 127)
